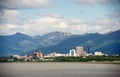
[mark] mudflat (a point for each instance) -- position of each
(59, 70)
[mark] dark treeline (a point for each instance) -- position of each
(87, 58)
(65, 59)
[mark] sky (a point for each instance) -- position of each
(38, 17)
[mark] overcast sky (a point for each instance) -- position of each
(37, 17)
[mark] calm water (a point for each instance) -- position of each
(58, 70)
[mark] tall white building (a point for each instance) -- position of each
(72, 52)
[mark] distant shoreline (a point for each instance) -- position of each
(105, 62)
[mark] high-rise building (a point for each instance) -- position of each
(72, 52)
(79, 51)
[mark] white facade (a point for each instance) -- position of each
(98, 54)
(89, 54)
(72, 52)
(54, 55)
(17, 56)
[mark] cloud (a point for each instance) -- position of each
(103, 25)
(47, 24)
(44, 25)
(92, 2)
(103, 1)
(23, 4)
(9, 16)
(50, 15)
(103, 21)
(116, 14)
(86, 1)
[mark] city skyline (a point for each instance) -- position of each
(34, 17)
(78, 52)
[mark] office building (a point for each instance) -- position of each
(79, 51)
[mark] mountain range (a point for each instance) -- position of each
(61, 42)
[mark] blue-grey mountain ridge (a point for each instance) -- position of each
(61, 42)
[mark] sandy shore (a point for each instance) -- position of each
(54, 69)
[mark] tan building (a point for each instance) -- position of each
(79, 51)
(37, 54)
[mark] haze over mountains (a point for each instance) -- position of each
(62, 42)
